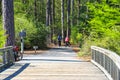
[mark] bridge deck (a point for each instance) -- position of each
(55, 64)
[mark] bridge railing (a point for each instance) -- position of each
(107, 61)
(6, 57)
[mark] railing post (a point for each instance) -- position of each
(4, 57)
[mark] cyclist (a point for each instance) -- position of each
(67, 43)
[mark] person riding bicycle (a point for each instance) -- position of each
(67, 43)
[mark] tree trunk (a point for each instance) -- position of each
(50, 13)
(43, 11)
(68, 18)
(53, 18)
(23, 1)
(72, 11)
(62, 19)
(48, 19)
(47, 12)
(78, 21)
(8, 21)
(100, 1)
(0, 7)
(35, 10)
(53, 11)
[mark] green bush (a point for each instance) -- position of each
(76, 37)
(2, 38)
(104, 26)
(21, 23)
(35, 35)
(39, 38)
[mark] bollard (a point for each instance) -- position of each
(35, 48)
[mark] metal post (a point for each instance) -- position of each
(35, 50)
(22, 45)
(22, 34)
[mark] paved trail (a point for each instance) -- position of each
(55, 64)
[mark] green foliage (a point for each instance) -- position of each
(114, 40)
(2, 37)
(35, 34)
(76, 37)
(22, 23)
(54, 37)
(39, 38)
(25, 20)
(73, 35)
(1, 60)
(103, 22)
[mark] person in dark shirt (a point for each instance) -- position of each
(59, 40)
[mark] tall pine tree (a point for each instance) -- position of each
(8, 21)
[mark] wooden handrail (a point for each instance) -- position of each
(7, 57)
(107, 61)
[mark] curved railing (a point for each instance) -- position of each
(6, 57)
(107, 61)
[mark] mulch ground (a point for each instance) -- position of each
(38, 51)
(33, 51)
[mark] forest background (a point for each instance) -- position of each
(89, 23)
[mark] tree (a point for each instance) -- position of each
(78, 22)
(8, 21)
(103, 21)
(50, 13)
(53, 18)
(68, 17)
(72, 11)
(53, 11)
(47, 13)
(62, 18)
(35, 10)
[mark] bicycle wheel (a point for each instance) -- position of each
(20, 55)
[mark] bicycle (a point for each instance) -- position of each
(17, 54)
(20, 55)
(67, 44)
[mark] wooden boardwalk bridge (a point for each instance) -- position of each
(55, 64)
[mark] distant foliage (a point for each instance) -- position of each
(104, 23)
(25, 20)
(98, 23)
(76, 36)
(39, 38)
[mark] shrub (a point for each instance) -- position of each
(2, 38)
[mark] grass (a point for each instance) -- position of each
(82, 55)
